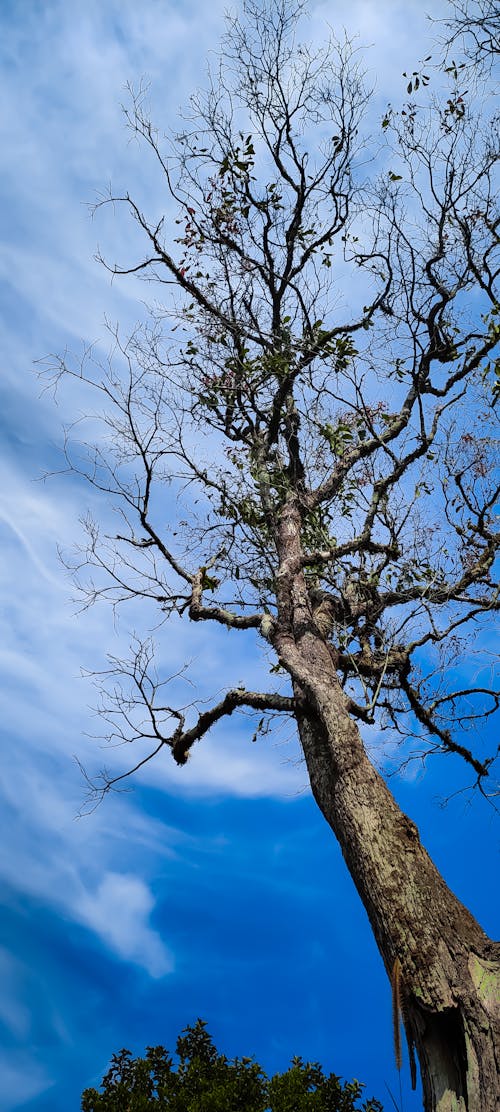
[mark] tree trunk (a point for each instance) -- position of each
(449, 969)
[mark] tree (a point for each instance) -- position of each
(333, 345)
(474, 25)
(206, 1081)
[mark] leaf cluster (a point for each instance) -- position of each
(206, 1081)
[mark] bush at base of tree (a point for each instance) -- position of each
(206, 1081)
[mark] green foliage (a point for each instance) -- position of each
(240, 160)
(315, 531)
(209, 582)
(492, 320)
(417, 79)
(206, 1081)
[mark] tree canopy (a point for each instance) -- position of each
(204, 1080)
(316, 392)
(328, 336)
(473, 27)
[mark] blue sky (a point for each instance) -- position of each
(215, 890)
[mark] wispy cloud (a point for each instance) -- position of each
(69, 870)
(22, 1079)
(118, 911)
(14, 1013)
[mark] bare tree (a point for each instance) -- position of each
(336, 316)
(474, 27)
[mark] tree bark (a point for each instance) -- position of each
(449, 970)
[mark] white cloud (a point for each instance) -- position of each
(118, 911)
(65, 865)
(44, 646)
